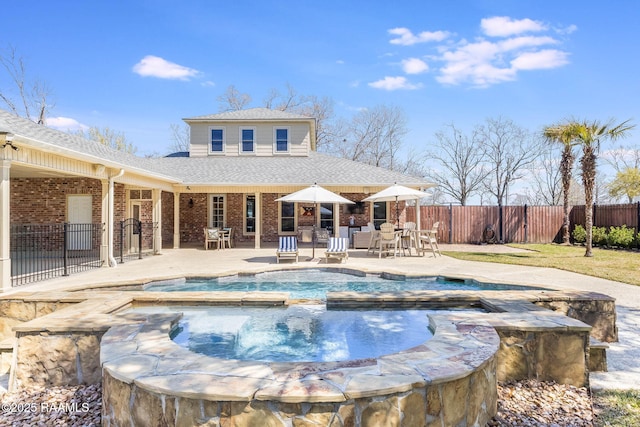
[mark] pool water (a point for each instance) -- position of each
(299, 333)
(314, 284)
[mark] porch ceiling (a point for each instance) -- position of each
(23, 171)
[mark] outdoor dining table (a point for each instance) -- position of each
(407, 237)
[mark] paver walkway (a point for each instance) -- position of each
(623, 356)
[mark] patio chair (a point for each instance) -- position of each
(374, 240)
(430, 237)
(322, 235)
(212, 235)
(338, 247)
(287, 247)
(227, 237)
(409, 237)
(389, 239)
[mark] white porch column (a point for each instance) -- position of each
(156, 217)
(336, 220)
(258, 228)
(104, 219)
(5, 225)
(176, 220)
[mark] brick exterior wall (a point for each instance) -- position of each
(43, 200)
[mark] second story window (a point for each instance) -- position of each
(281, 140)
(217, 140)
(247, 140)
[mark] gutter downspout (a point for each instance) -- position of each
(112, 260)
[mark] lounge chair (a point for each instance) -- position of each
(337, 247)
(212, 235)
(430, 237)
(287, 247)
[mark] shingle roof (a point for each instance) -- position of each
(294, 170)
(251, 114)
(73, 145)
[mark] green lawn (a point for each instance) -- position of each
(621, 266)
(617, 408)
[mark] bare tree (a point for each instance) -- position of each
(622, 158)
(180, 135)
(546, 179)
(290, 101)
(461, 169)
(31, 99)
(375, 137)
(510, 151)
(233, 100)
(109, 137)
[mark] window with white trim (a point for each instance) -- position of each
(281, 140)
(248, 140)
(217, 141)
(249, 214)
(216, 210)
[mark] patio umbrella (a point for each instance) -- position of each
(396, 193)
(314, 194)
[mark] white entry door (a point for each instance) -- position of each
(79, 217)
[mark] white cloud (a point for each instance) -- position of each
(407, 38)
(567, 30)
(394, 83)
(523, 42)
(484, 63)
(503, 26)
(65, 124)
(505, 47)
(414, 66)
(154, 66)
(543, 59)
(208, 83)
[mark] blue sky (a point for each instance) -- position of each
(140, 66)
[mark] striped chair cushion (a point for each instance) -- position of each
(337, 244)
(288, 244)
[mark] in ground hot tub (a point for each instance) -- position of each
(447, 380)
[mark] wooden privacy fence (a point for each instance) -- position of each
(609, 215)
(520, 224)
(475, 224)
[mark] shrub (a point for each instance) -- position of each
(579, 234)
(621, 237)
(600, 236)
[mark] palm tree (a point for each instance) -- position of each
(561, 133)
(589, 135)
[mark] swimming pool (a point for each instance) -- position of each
(314, 284)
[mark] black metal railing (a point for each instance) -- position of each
(133, 239)
(45, 251)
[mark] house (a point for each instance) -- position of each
(238, 164)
